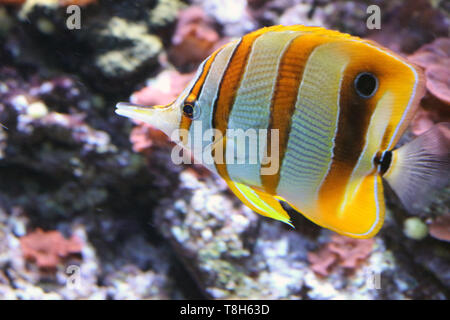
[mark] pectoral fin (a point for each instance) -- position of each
(260, 202)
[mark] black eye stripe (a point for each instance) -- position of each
(366, 84)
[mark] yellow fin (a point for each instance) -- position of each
(362, 214)
(260, 202)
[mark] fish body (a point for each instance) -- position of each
(324, 110)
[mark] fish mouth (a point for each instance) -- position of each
(133, 110)
(165, 118)
(125, 108)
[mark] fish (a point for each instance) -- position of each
(322, 111)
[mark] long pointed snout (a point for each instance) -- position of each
(164, 118)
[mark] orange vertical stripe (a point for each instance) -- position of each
(193, 95)
(290, 74)
(228, 88)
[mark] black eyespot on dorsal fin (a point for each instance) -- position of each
(384, 162)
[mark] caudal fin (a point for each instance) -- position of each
(421, 166)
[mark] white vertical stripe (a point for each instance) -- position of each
(206, 103)
(314, 124)
(251, 109)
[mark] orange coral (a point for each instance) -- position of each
(342, 252)
(48, 248)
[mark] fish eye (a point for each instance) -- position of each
(192, 111)
(366, 84)
(188, 110)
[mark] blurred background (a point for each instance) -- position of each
(91, 206)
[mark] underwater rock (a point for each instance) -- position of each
(233, 253)
(231, 14)
(115, 48)
(165, 13)
(124, 61)
(136, 270)
(66, 164)
(407, 26)
(85, 172)
(302, 14)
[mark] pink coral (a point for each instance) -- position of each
(195, 38)
(435, 59)
(351, 252)
(341, 251)
(440, 228)
(322, 261)
(144, 136)
(48, 248)
(165, 89)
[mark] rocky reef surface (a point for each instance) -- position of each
(91, 205)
